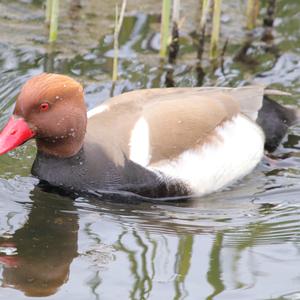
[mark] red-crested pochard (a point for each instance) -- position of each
(155, 142)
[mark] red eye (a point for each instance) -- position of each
(44, 106)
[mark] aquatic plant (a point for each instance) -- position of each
(205, 11)
(118, 25)
(269, 21)
(252, 13)
(165, 28)
(174, 44)
(213, 53)
(48, 11)
(52, 11)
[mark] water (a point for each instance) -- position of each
(242, 243)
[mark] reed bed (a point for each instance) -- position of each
(209, 28)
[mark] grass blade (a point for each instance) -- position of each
(165, 28)
(213, 54)
(118, 25)
(53, 20)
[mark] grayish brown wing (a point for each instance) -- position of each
(178, 118)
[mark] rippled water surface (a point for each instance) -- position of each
(242, 243)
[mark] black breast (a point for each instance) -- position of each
(92, 171)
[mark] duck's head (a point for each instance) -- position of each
(51, 109)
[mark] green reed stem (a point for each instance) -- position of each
(204, 13)
(118, 26)
(252, 13)
(53, 20)
(165, 28)
(213, 54)
(48, 11)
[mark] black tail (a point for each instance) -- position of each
(275, 120)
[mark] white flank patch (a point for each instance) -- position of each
(235, 152)
(139, 143)
(97, 110)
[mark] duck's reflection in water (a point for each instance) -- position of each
(46, 245)
(180, 246)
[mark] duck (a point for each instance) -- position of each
(156, 143)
